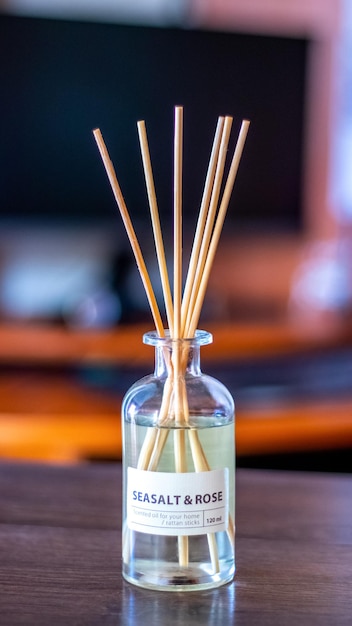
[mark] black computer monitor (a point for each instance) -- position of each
(60, 78)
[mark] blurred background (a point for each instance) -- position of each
(72, 306)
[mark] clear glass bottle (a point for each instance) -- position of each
(179, 471)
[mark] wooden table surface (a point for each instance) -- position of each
(60, 550)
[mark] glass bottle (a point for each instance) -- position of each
(178, 472)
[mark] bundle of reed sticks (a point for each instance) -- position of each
(183, 305)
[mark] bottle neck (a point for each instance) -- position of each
(189, 359)
(182, 355)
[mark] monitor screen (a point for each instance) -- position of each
(60, 79)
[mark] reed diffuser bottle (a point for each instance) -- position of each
(178, 424)
(179, 467)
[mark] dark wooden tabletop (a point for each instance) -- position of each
(60, 551)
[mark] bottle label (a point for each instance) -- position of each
(163, 503)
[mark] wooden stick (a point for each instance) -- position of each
(204, 208)
(181, 466)
(178, 221)
(176, 356)
(147, 448)
(197, 270)
(179, 438)
(159, 244)
(201, 465)
(162, 435)
(218, 226)
(130, 231)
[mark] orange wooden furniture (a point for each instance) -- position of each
(46, 414)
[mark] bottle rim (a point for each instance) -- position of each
(201, 338)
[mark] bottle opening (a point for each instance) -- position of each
(201, 338)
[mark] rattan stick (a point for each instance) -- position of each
(176, 358)
(201, 465)
(159, 244)
(204, 208)
(153, 443)
(162, 435)
(197, 268)
(151, 439)
(178, 149)
(179, 438)
(218, 227)
(130, 231)
(147, 448)
(181, 466)
(200, 462)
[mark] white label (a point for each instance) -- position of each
(163, 503)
